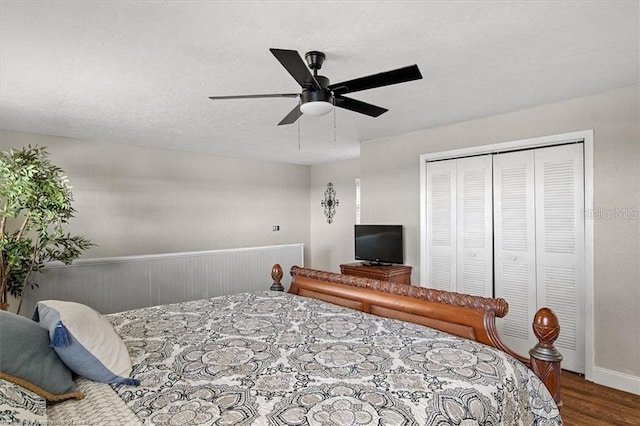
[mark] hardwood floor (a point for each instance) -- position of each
(585, 403)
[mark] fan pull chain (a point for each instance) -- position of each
(299, 120)
(334, 121)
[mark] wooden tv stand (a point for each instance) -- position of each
(400, 274)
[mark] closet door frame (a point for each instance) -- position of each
(584, 136)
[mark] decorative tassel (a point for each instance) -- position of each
(60, 336)
(131, 382)
(36, 315)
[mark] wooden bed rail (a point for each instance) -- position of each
(471, 317)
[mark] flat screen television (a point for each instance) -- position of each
(379, 244)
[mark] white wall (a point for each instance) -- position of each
(391, 191)
(132, 200)
(333, 242)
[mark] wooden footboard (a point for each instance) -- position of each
(471, 317)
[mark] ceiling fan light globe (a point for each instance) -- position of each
(316, 108)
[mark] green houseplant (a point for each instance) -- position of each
(35, 206)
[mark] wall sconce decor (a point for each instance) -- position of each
(330, 202)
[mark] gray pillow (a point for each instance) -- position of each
(27, 359)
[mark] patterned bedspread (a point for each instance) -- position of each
(272, 358)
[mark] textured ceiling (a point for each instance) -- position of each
(140, 72)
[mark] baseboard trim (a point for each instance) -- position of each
(616, 380)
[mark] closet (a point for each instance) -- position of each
(511, 225)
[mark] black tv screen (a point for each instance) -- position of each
(379, 244)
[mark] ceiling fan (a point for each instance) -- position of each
(318, 96)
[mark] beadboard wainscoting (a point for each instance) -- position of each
(121, 283)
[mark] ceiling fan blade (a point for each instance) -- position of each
(359, 106)
(292, 116)
(275, 95)
(387, 78)
(292, 62)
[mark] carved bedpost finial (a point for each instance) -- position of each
(545, 358)
(546, 327)
(276, 275)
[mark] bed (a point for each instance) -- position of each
(334, 349)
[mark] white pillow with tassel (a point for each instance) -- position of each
(85, 341)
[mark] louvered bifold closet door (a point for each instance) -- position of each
(559, 185)
(474, 219)
(514, 246)
(441, 225)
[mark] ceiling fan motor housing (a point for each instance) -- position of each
(312, 95)
(316, 96)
